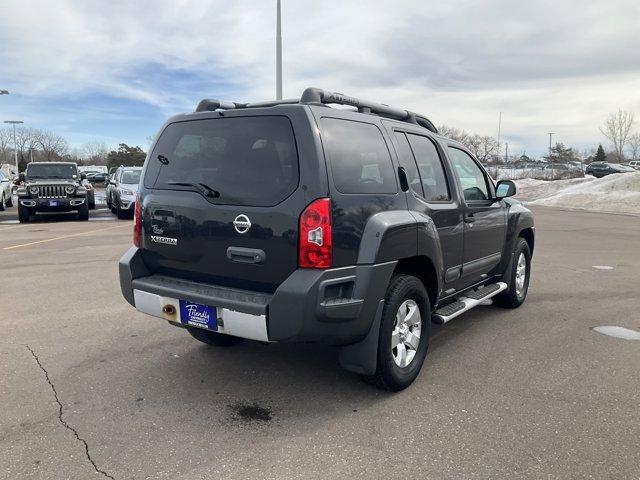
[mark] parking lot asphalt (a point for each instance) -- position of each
(89, 388)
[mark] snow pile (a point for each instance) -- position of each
(619, 193)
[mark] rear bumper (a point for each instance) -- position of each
(334, 306)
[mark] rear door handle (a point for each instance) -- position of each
(469, 218)
(246, 255)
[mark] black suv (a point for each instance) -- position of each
(52, 187)
(292, 221)
(602, 169)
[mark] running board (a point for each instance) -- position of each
(467, 302)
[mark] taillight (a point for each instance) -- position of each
(137, 222)
(315, 241)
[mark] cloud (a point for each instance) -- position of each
(548, 66)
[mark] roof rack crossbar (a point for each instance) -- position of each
(317, 96)
(211, 105)
(321, 97)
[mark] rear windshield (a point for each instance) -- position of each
(248, 160)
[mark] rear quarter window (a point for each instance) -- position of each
(359, 157)
(251, 161)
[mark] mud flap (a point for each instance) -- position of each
(362, 357)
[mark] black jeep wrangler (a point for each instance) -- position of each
(293, 221)
(52, 187)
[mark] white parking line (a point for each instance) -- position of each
(65, 236)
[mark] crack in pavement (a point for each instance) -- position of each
(62, 421)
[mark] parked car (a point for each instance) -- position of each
(5, 192)
(122, 189)
(557, 166)
(293, 222)
(635, 164)
(601, 169)
(97, 177)
(52, 187)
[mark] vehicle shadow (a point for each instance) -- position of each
(284, 377)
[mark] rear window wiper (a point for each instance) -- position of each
(204, 189)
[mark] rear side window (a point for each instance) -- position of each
(434, 181)
(405, 157)
(360, 159)
(250, 161)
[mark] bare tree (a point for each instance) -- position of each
(634, 146)
(616, 128)
(26, 138)
(53, 146)
(483, 147)
(94, 152)
(6, 142)
(453, 133)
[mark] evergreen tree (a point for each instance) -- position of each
(600, 155)
(127, 156)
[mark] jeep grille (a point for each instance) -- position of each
(51, 191)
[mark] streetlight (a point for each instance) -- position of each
(278, 52)
(551, 134)
(15, 143)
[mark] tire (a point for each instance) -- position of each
(213, 338)
(23, 214)
(112, 206)
(2, 202)
(404, 293)
(92, 203)
(516, 295)
(9, 201)
(83, 212)
(121, 214)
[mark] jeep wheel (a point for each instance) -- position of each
(404, 334)
(9, 201)
(213, 338)
(83, 212)
(2, 202)
(518, 279)
(23, 213)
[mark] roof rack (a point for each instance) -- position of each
(317, 96)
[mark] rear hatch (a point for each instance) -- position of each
(221, 201)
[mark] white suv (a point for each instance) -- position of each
(5, 191)
(635, 164)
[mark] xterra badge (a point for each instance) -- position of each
(165, 240)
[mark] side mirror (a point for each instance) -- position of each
(505, 188)
(21, 177)
(83, 176)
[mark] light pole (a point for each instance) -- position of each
(278, 54)
(499, 128)
(551, 134)
(15, 143)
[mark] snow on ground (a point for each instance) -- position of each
(618, 193)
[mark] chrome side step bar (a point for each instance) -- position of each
(467, 302)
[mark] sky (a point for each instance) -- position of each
(115, 71)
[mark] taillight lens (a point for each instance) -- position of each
(137, 222)
(315, 242)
